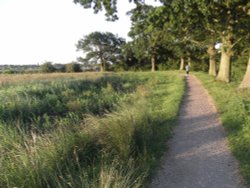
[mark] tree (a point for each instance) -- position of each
(229, 24)
(246, 80)
(130, 58)
(73, 67)
(212, 62)
(186, 23)
(140, 44)
(148, 33)
(47, 67)
(99, 46)
(214, 21)
(210, 21)
(233, 27)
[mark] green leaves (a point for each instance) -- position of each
(103, 47)
(110, 6)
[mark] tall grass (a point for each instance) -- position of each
(106, 132)
(6, 79)
(234, 108)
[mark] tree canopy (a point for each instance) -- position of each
(102, 47)
(110, 6)
(185, 29)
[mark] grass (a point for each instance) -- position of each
(77, 131)
(6, 79)
(234, 107)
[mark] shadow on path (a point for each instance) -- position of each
(198, 155)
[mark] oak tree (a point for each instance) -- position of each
(100, 46)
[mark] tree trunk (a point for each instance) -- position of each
(102, 66)
(224, 72)
(189, 61)
(182, 64)
(153, 63)
(226, 53)
(212, 67)
(246, 80)
(212, 63)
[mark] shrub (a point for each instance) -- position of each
(73, 67)
(47, 67)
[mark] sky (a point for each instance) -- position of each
(35, 31)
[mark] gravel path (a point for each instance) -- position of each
(198, 155)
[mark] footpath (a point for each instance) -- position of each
(198, 154)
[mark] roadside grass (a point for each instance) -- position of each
(74, 132)
(234, 108)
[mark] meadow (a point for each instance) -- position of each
(234, 108)
(85, 130)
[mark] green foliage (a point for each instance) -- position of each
(99, 132)
(109, 6)
(180, 29)
(47, 67)
(239, 65)
(170, 64)
(234, 108)
(8, 71)
(103, 47)
(150, 39)
(73, 67)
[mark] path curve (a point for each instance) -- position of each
(198, 155)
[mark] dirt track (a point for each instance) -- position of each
(198, 155)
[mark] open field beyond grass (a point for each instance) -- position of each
(85, 130)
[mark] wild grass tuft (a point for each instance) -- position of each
(107, 132)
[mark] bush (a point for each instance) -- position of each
(9, 71)
(47, 67)
(73, 67)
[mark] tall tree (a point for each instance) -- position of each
(246, 80)
(221, 20)
(225, 20)
(148, 30)
(188, 25)
(99, 46)
(212, 62)
(138, 32)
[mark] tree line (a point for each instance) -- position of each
(178, 31)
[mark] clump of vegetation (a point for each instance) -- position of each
(73, 132)
(73, 67)
(47, 67)
(234, 107)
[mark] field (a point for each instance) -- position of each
(85, 130)
(234, 108)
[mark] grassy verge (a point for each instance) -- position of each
(105, 132)
(234, 108)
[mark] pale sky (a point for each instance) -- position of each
(35, 31)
